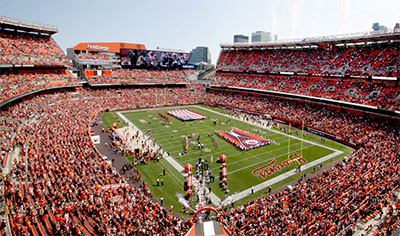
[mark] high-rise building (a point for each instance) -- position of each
(200, 54)
(377, 26)
(262, 36)
(240, 38)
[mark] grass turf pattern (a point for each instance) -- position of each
(240, 163)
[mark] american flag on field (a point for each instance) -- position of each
(186, 115)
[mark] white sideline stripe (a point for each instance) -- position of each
(294, 137)
(178, 149)
(163, 131)
(237, 154)
(245, 159)
(214, 199)
(174, 163)
(225, 144)
(281, 177)
(285, 175)
(257, 163)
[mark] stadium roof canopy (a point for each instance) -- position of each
(114, 47)
(27, 26)
(362, 37)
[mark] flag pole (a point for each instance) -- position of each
(156, 98)
(166, 94)
(302, 134)
(290, 127)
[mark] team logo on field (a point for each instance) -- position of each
(296, 159)
(251, 142)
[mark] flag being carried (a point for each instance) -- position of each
(166, 118)
(186, 115)
(244, 140)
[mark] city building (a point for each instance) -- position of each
(200, 54)
(377, 27)
(240, 38)
(262, 36)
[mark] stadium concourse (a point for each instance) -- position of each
(56, 183)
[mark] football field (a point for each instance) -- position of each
(271, 165)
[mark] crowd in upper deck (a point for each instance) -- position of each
(378, 59)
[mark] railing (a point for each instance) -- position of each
(327, 38)
(22, 23)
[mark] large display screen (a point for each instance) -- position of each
(154, 59)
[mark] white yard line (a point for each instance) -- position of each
(179, 149)
(265, 160)
(214, 199)
(264, 185)
(285, 175)
(263, 127)
(224, 152)
(246, 158)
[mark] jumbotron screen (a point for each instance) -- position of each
(154, 59)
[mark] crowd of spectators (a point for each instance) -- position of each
(8, 128)
(372, 59)
(136, 76)
(60, 189)
(14, 84)
(384, 94)
(32, 49)
(351, 127)
(57, 186)
(95, 56)
(335, 200)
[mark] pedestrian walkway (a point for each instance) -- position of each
(128, 133)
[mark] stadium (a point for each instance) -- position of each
(283, 137)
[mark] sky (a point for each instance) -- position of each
(185, 24)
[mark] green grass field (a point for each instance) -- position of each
(109, 118)
(240, 163)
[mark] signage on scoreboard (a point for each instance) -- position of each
(97, 47)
